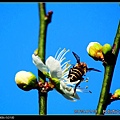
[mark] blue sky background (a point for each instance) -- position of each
(73, 26)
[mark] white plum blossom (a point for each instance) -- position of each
(58, 70)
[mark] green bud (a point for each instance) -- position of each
(25, 80)
(106, 48)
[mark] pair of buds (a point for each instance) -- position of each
(99, 52)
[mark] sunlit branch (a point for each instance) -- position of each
(108, 74)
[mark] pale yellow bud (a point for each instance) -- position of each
(94, 50)
(25, 80)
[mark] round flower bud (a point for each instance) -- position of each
(94, 50)
(106, 48)
(25, 80)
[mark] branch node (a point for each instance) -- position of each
(48, 17)
(45, 87)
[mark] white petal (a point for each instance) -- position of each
(67, 96)
(68, 91)
(62, 85)
(71, 94)
(39, 64)
(54, 67)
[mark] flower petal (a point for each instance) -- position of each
(38, 63)
(54, 67)
(68, 91)
(62, 88)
